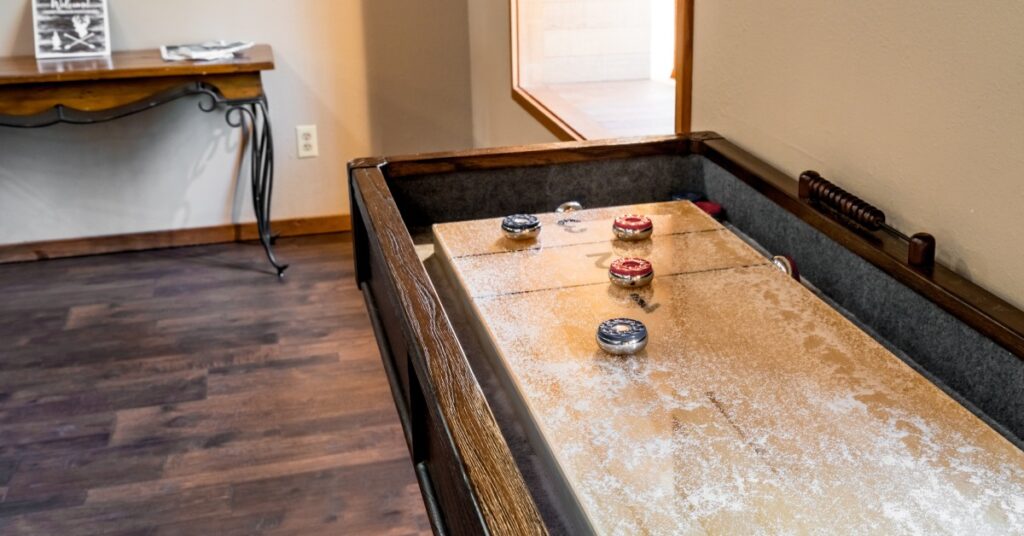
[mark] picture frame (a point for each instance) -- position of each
(71, 28)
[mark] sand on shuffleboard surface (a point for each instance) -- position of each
(755, 409)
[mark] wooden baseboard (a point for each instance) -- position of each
(77, 247)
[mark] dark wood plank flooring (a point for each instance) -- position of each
(189, 392)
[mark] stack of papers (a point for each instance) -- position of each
(209, 51)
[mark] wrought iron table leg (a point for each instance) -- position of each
(254, 120)
(250, 115)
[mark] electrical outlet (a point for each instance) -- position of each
(309, 143)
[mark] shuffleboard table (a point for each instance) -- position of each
(874, 391)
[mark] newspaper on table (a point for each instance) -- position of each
(208, 51)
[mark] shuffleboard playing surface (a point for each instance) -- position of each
(756, 407)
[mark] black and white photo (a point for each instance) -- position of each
(71, 28)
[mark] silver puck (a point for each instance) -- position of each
(786, 266)
(521, 227)
(569, 206)
(622, 336)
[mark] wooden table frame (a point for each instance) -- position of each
(470, 481)
(44, 93)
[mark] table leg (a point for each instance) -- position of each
(254, 120)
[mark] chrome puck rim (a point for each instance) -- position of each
(631, 272)
(569, 206)
(622, 336)
(631, 235)
(786, 266)
(627, 281)
(521, 226)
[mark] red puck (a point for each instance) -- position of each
(713, 209)
(631, 268)
(634, 222)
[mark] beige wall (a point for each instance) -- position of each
(497, 119)
(917, 106)
(567, 41)
(377, 76)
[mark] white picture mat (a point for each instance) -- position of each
(102, 5)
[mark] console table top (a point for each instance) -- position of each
(126, 64)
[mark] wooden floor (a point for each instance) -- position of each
(190, 392)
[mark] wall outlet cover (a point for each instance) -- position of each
(308, 141)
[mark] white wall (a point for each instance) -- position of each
(565, 41)
(377, 76)
(917, 106)
(497, 119)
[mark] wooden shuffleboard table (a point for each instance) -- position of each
(762, 403)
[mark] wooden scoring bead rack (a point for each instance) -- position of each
(859, 215)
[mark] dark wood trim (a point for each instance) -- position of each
(93, 97)
(126, 64)
(457, 415)
(535, 155)
(684, 65)
(77, 247)
(541, 113)
(979, 308)
(549, 119)
(990, 315)
(468, 463)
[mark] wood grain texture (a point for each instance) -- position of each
(497, 486)
(101, 95)
(77, 247)
(544, 116)
(684, 65)
(534, 155)
(979, 308)
(561, 127)
(786, 456)
(126, 64)
(385, 251)
(179, 392)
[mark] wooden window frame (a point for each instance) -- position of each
(561, 125)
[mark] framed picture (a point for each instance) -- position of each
(71, 28)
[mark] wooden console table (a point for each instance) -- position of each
(37, 94)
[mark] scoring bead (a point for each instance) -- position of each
(521, 227)
(622, 336)
(569, 206)
(787, 266)
(631, 273)
(633, 227)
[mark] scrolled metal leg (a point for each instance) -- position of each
(254, 120)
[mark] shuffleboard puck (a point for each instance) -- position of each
(713, 209)
(521, 227)
(631, 273)
(569, 206)
(633, 227)
(622, 336)
(692, 197)
(787, 266)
